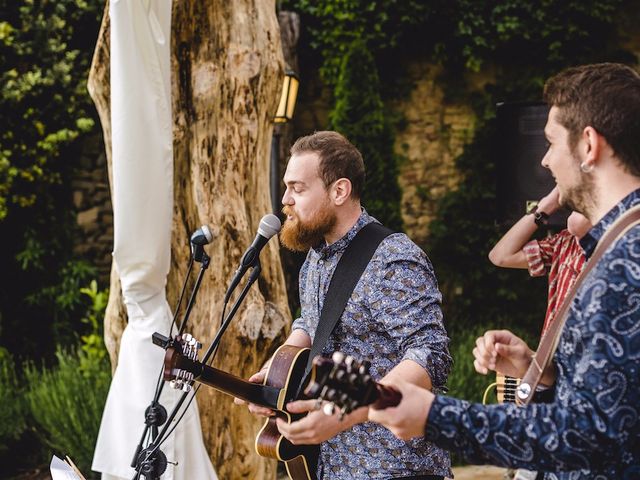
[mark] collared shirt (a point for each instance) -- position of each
(562, 257)
(392, 315)
(591, 427)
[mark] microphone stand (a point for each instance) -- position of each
(211, 351)
(151, 458)
(152, 462)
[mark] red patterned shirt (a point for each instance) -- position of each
(562, 257)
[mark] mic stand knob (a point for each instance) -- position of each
(154, 416)
(152, 463)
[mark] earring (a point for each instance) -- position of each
(586, 167)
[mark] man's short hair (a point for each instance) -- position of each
(605, 96)
(339, 158)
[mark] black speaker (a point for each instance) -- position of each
(520, 147)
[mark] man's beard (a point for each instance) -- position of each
(581, 197)
(300, 236)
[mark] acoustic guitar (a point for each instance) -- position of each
(280, 386)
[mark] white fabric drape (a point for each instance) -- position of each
(143, 206)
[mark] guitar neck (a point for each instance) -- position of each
(263, 395)
(506, 388)
(386, 397)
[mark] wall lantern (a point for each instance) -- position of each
(287, 97)
(283, 115)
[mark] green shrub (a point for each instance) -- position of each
(12, 422)
(93, 343)
(464, 382)
(359, 114)
(66, 404)
(45, 53)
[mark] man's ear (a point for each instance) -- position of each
(341, 191)
(594, 145)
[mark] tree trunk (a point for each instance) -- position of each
(227, 71)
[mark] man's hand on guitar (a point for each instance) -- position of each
(256, 409)
(317, 426)
(502, 351)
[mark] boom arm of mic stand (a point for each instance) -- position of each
(255, 273)
(196, 287)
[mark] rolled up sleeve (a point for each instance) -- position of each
(407, 301)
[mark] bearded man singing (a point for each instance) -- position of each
(392, 318)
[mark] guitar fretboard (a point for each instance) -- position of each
(506, 388)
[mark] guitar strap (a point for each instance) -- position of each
(549, 342)
(352, 264)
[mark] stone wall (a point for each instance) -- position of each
(435, 134)
(92, 203)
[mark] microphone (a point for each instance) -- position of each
(201, 236)
(199, 239)
(269, 226)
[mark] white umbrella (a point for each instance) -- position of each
(142, 148)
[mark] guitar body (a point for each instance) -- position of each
(285, 372)
(280, 386)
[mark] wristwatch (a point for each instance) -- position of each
(540, 217)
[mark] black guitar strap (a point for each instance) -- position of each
(352, 264)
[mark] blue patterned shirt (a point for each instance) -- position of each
(392, 315)
(590, 429)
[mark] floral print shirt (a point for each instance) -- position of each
(591, 427)
(392, 315)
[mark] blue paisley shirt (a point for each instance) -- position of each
(590, 428)
(392, 315)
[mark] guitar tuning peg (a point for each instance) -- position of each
(365, 366)
(324, 392)
(331, 394)
(187, 337)
(337, 357)
(328, 409)
(343, 412)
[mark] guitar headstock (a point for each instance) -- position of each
(342, 381)
(181, 363)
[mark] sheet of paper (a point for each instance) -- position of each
(61, 470)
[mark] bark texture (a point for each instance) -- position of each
(227, 67)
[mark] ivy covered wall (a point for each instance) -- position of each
(443, 66)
